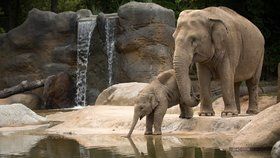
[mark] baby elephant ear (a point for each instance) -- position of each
(153, 101)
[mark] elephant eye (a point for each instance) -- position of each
(194, 42)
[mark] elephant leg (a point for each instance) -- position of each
(237, 95)
(149, 123)
(158, 118)
(252, 86)
(186, 111)
(204, 78)
(226, 74)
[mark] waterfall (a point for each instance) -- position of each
(110, 25)
(85, 29)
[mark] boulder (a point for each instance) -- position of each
(275, 152)
(30, 100)
(262, 132)
(18, 115)
(59, 91)
(123, 94)
(145, 40)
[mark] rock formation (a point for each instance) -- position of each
(45, 44)
(123, 94)
(59, 91)
(145, 41)
(262, 132)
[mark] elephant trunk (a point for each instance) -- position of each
(181, 64)
(135, 120)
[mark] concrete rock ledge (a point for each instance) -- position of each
(261, 133)
(117, 120)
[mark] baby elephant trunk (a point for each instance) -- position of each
(135, 120)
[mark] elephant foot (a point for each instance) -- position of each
(157, 133)
(206, 113)
(188, 115)
(252, 111)
(229, 114)
(185, 117)
(148, 133)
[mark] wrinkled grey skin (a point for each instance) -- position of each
(226, 47)
(153, 101)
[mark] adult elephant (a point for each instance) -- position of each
(225, 46)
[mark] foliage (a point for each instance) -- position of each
(2, 30)
(264, 14)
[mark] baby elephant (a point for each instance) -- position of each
(155, 98)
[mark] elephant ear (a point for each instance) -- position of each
(153, 100)
(219, 33)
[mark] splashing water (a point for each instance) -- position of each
(110, 46)
(85, 29)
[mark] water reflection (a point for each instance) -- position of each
(143, 147)
(155, 150)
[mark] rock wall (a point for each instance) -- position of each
(145, 41)
(45, 44)
(41, 46)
